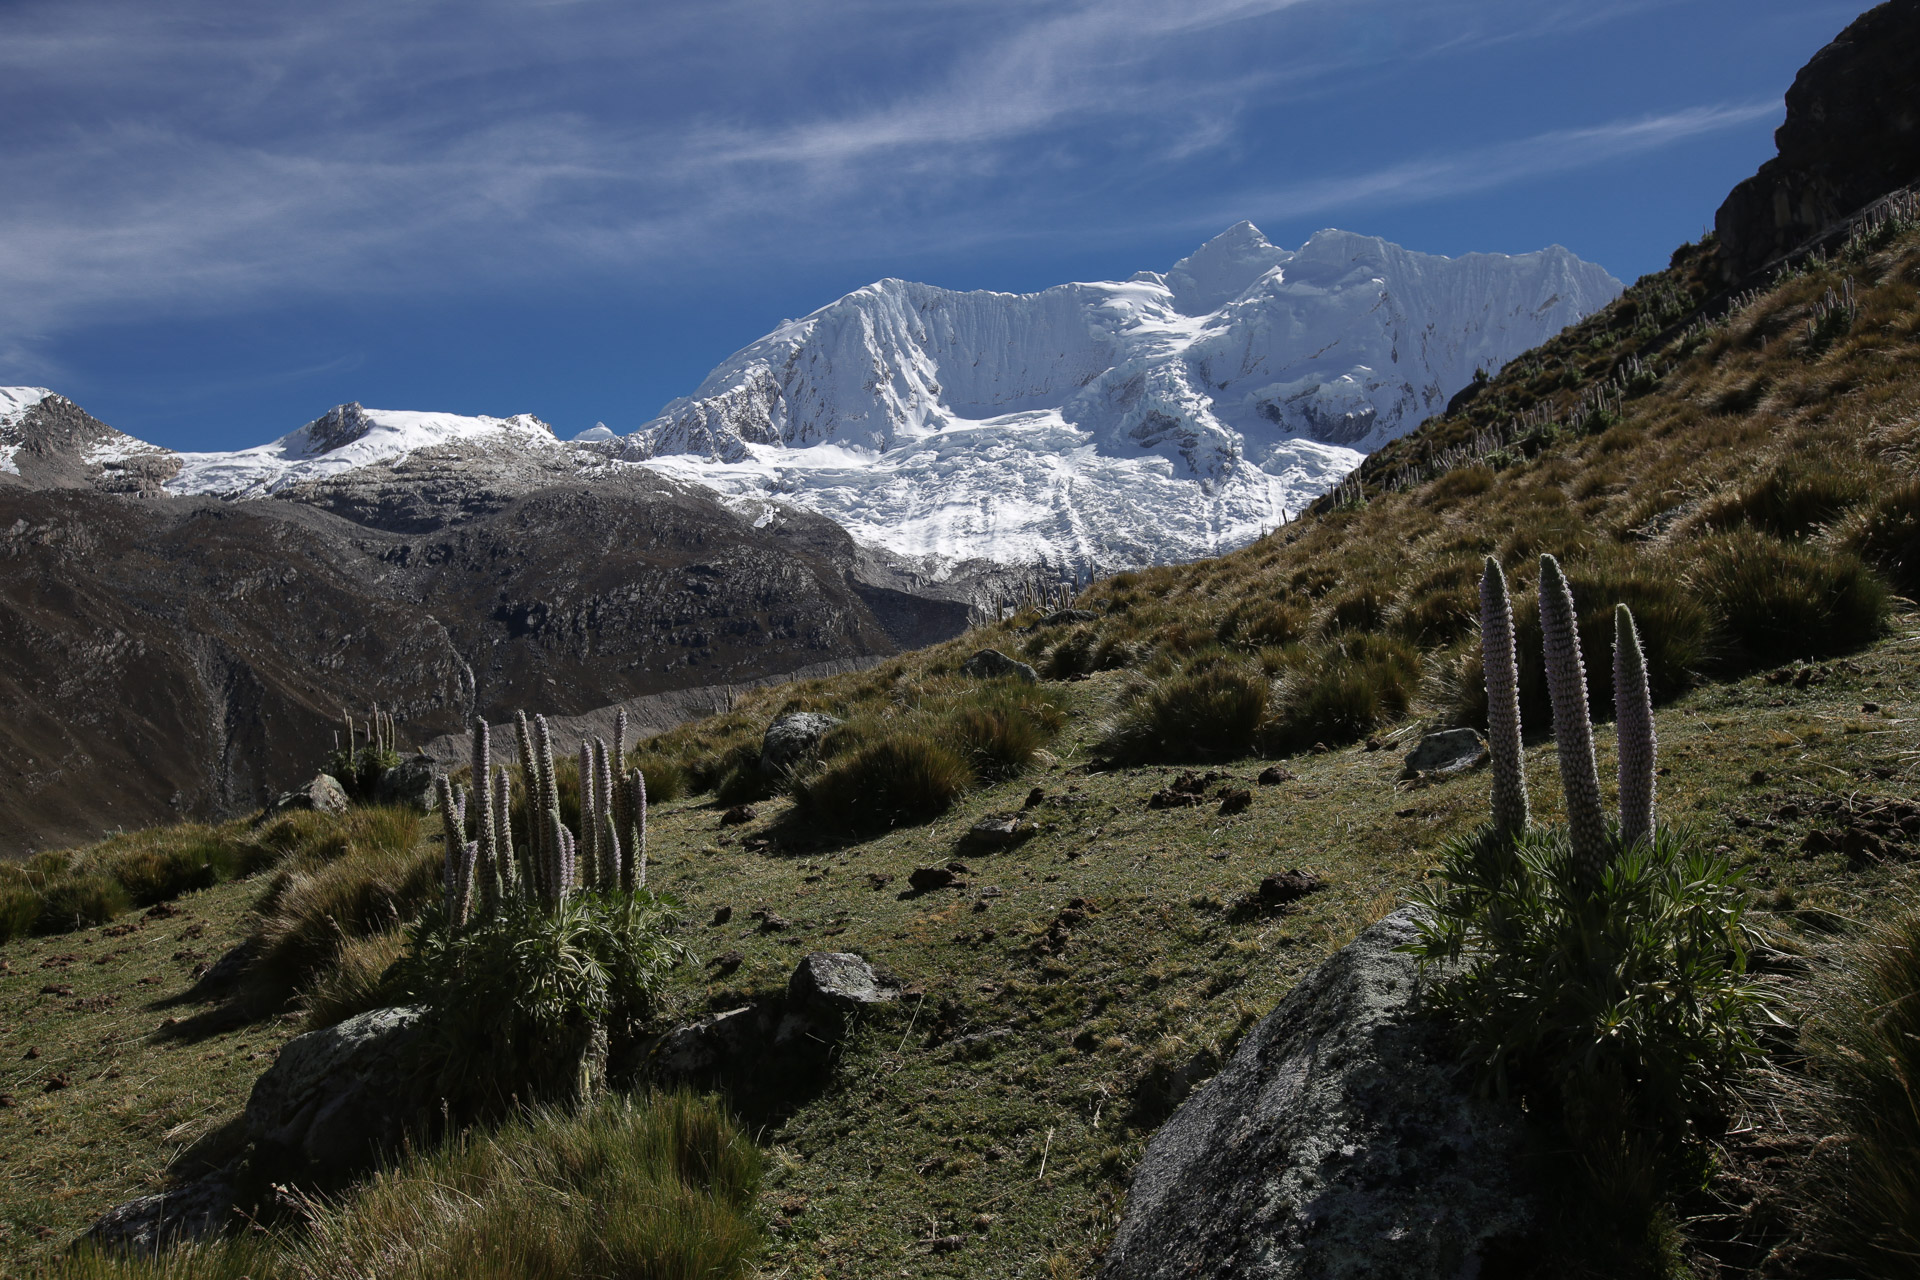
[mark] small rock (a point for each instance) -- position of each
(946, 1244)
(1760, 778)
(162, 911)
(33, 1051)
(1870, 708)
(791, 738)
(1236, 801)
(56, 989)
(960, 868)
(1289, 886)
(148, 1224)
(991, 664)
(924, 879)
(323, 794)
(1445, 751)
(1035, 798)
(6, 1100)
(839, 981)
(999, 831)
(1068, 615)
(771, 922)
(878, 879)
(724, 965)
(993, 891)
(1273, 775)
(57, 1081)
(739, 815)
(722, 914)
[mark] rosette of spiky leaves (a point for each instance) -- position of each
(513, 997)
(1572, 730)
(1499, 659)
(1633, 988)
(1633, 720)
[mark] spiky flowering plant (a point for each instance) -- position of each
(516, 994)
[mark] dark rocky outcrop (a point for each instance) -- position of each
(792, 737)
(1852, 134)
(195, 1210)
(991, 664)
(1341, 1140)
(323, 794)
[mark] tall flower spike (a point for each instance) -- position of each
(608, 867)
(1497, 659)
(554, 888)
(1572, 729)
(637, 859)
(503, 832)
(463, 885)
(549, 807)
(456, 840)
(482, 816)
(1633, 718)
(589, 830)
(617, 764)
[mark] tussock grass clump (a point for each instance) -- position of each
(999, 727)
(1864, 1034)
(1887, 535)
(667, 778)
(895, 779)
(1343, 693)
(651, 1188)
(1775, 601)
(81, 901)
(19, 906)
(1794, 500)
(1209, 708)
(308, 912)
(357, 979)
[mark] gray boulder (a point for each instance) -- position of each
(991, 664)
(792, 737)
(335, 1099)
(409, 783)
(838, 981)
(1446, 751)
(323, 793)
(148, 1224)
(1341, 1142)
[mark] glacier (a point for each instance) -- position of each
(1088, 426)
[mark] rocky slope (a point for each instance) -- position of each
(1153, 420)
(187, 655)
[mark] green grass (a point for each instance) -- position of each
(650, 1188)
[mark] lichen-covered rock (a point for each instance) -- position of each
(991, 664)
(792, 737)
(1341, 1142)
(148, 1224)
(324, 793)
(409, 783)
(1446, 751)
(838, 981)
(335, 1099)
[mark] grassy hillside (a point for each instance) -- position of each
(1745, 483)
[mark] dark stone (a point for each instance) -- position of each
(722, 914)
(837, 981)
(927, 878)
(409, 783)
(1341, 1140)
(336, 1099)
(1273, 775)
(991, 664)
(1852, 134)
(739, 815)
(323, 794)
(1236, 801)
(1446, 751)
(1035, 798)
(792, 738)
(724, 965)
(1065, 616)
(878, 879)
(148, 1224)
(1288, 887)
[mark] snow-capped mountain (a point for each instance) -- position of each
(1162, 418)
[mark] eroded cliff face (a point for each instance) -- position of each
(1852, 134)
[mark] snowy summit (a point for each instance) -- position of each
(1162, 418)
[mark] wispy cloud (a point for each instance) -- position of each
(195, 157)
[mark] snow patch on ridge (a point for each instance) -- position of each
(343, 439)
(14, 403)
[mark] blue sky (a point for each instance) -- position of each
(222, 219)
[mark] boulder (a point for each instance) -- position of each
(409, 783)
(149, 1224)
(337, 1098)
(838, 981)
(1446, 751)
(324, 793)
(999, 831)
(1343, 1139)
(991, 664)
(791, 737)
